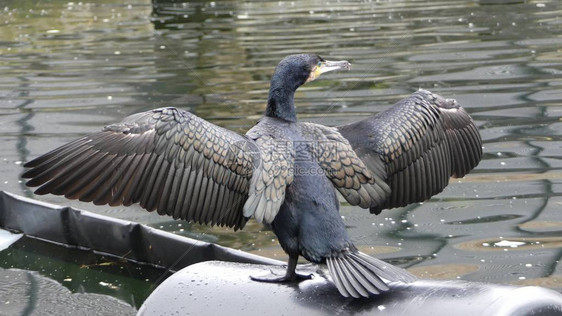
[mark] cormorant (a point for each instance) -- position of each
(282, 172)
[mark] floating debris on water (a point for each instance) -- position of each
(507, 243)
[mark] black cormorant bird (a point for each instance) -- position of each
(282, 172)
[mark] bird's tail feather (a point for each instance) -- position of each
(359, 275)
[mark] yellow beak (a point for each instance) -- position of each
(327, 66)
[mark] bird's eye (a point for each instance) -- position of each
(319, 64)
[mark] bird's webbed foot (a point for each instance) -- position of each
(290, 275)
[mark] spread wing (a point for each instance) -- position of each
(335, 155)
(416, 146)
(166, 159)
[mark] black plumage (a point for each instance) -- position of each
(282, 172)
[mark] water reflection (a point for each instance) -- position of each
(69, 68)
(82, 271)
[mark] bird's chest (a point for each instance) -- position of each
(309, 218)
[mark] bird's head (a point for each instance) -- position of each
(292, 72)
(297, 70)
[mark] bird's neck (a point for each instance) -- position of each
(280, 103)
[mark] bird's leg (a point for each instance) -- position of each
(290, 275)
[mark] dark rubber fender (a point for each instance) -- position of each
(215, 287)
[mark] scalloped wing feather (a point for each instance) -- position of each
(271, 176)
(341, 164)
